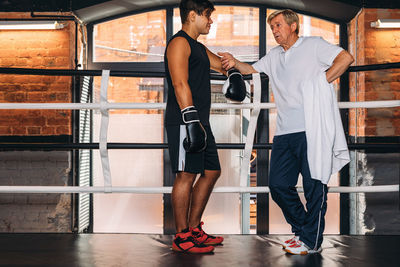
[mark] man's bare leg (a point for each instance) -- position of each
(200, 195)
(181, 193)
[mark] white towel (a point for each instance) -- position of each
(327, 150)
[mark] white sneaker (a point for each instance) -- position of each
(290, 241)
(299, 248)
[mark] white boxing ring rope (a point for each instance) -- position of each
(168, 189)
(72, 106)
(104, 106)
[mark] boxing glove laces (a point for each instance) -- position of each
(196, 136)
(234, 87)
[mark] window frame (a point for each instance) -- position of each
(262, 179)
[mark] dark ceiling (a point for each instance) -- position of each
(97, 10)
(45, 5)
(72, 5)
(373, 3)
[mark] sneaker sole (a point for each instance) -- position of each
(285, 246)
(301, 253)
(304, 252)
(176, 249)
(315, 251)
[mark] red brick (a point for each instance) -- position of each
(48, 130)
(15, 97)
(65, 97)
(7, 62)
(37, 62)
(19, 130)
(49, 97)
(63, 130)
(33, 130)
(48, 113)
(64, 79)
(385, 96)
(395, 86)
(27, 79)
(49, 79)
(57, 121)
(35, 97)
(49, 62)
(5, 130)
(6, 52)
(38, 121)
(58, 52)
(37, 87)
(370, 131)
(63, 61)
(34, 113)
(63, 113)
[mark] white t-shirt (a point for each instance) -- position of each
(288, 70)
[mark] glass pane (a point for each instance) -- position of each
(131, 213)
(135, 90)
(136, 38)
(234, 30)
(309, 26)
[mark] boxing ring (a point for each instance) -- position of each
(104, 106)
(95, 245)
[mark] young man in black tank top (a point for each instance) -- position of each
(191, 143)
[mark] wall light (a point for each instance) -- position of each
(31, 25)
(386, 23)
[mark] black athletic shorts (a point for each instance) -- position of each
(191, 162)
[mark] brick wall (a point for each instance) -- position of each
(40, 49)
(375, 46)
(35, 212)
(374, 213)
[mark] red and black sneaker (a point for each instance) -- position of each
(184, 242)
(202, 237)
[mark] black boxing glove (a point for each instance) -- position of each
(196, 136)
(234, 87)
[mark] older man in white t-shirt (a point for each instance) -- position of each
(289, 66)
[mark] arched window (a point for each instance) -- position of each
(137, 42)
(135, 38)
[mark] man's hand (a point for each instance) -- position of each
(227, 60)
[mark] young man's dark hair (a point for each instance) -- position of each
(198, 6)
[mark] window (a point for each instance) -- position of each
(234, 30)
(142, 38)
(136, 38)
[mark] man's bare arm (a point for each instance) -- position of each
(178, 53)
(215, 62)
(339, 66)
(228, 61)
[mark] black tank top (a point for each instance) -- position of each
(199, 82)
